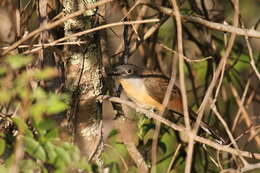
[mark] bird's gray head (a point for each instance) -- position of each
(126, 71)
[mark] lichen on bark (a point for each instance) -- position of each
(83, 80)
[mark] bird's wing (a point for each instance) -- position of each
(156, 87)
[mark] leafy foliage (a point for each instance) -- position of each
(30, 109)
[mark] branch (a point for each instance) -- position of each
(54, 24)
(209, 24)
(179, 128)
(55, 42)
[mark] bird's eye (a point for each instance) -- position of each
(129, 71)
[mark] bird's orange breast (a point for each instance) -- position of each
(136, 91)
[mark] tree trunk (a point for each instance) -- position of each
(83, 80)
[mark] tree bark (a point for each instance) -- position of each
(83, 80)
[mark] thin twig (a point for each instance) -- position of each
(47, 44)
(233, 141)
(186, 58)
(250, 51)
(219, 69)
(140, 162)
(99, 28)
(240, 108)
(139, 17)
(120, 156)
(182, 129)
(54, 24)
(246, 117)
(250, 167)
(183, 86)
(166, 99)
(173, 158)
(209, 24)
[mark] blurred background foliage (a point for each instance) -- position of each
(28, 132)
(30, 136)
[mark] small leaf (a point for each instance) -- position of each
(22, 81)
(2, 146)
(114, 132)
(52, 134)
(75, 154)
(162, 146)
(34, 148)
(50, 150)
(46, 73)
(66, 146)
(186, 11)
(114, 168)
(62, 155)
(47, 124)
(83, 164)
(37, 110)
(28, 166)
(3, 169)
(20, 123)
(242, 63)
(28, 133)
(56, 105)
(18, 61)
(3, 70)
(38, 94)
(5, 96)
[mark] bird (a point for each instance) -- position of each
(147, 89)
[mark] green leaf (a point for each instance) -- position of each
(162, 146)
(6, 95)
(113, 132)
(38, 108)
(114, 168)
(3, 169)
(18, 61)
(243, 63)
(29, 166)
(34, 148)
(52, 134)
(20, 123)
(186, 11)
(28, 133)
(50, 150)
(39, 94)
(83, 164)
(75, 154)
(200, 70)
(2, 146)
(22, 81)
(46, 128)
(63, 156)
(3, 70)
(56, 105)
(47, 124)
(66, 146)
(46, 73)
